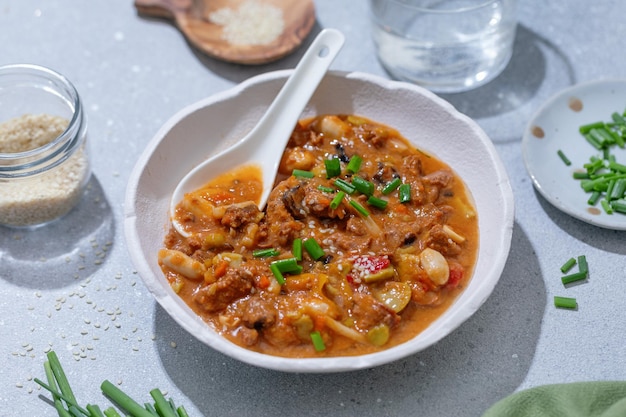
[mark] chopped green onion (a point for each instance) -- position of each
(277, 274)
(110, 412)
(58, 394)
(313, 248)
(564, 158)
(568, 265)
(362, 210)
(318, 341)
(325, 189)
(163, 407)
(344, 186)
(606, 206)
(302, 174)
(404, 193)
(391, 186)
(124, 401)
(94, 410)
(587, 128)
(296, 248)
(377, 202)
(619, 205)
(60, 376)
(565, 302)
(576, 276)
(286, 265)
(333, 167)
(355, 164)
(618, 190)
(337, 200)
(362, 185)
(182, 412)
(582, 264)
(151, 409)
(581, 175)
(593, 199)
(265, 253)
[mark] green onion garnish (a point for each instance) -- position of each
(318, 341)
(404, 193)
(564, 158)
(576, 276)
(287, 265)
(594, 197)
(333, 167)
(390, 187)
(325, 189)
(568, 265)
(163, 407)
(587, 128)
(296, 248)
(336, 201)
(582, 264)
(377, 202)
(277, 274)
(123, 400)
(265, 253)
(344, 186)
(619, 205)
(362, 210)
(302, 174)
(354, 165)
(565, 302)
(362, 185)
(313, 248)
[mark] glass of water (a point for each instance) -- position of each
(444, 45)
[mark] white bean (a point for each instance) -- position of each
(435, 266)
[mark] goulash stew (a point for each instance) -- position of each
(363, 243)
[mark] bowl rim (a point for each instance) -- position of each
(197, 327)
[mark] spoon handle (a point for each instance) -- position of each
(297, 91)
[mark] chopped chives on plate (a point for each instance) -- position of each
(302, 174)
(564, 158)
(569, 264)
(565, 302)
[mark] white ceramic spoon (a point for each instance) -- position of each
(264, 144)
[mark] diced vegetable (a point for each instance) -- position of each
(404, 193)
(354, 165)
(302, 174)
(564, 158)
(378, 335)
(390, 187)
(565, 302)
(313, 248)
(318, 341)
(333, 167)
(569, 264)
(435, 265)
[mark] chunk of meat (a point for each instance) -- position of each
(369, 312)
(235, 284)
(237, 215)
(258, 313)
(440, 241)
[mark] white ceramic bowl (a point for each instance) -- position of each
(423, 118)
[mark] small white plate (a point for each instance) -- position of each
(555, 127)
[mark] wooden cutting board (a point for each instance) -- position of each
(196, 20)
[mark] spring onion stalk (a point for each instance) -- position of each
(124, 401)
(564, 158)
(61, 396)
(58, 403)
(313, 248)
(594, 197)
(344, 186)
(302, 174)
(569, 264)
(333, 167)
(163, 407)
(358, 207)
(576, 276)
(619, 205)
(182, 412)
(391, 186)
(582, 264)
(565, 302)
(318, 341)
(606, 206)
(265, 253)
(60, 376)
(151, 409)
(277, 274)
(111, 412)
(354, 165)
(581, 175)
(363, 186)
(404, 193)
(296, 248)
(587, 128)
(94, 410)
(325, 189)
(287, 264)
(379, 203)
(336, 201)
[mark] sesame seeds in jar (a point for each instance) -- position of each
(44, 164)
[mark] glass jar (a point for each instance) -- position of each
(44, 158)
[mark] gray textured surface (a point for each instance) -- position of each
(71, 286)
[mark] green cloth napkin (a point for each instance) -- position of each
(578, 399)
